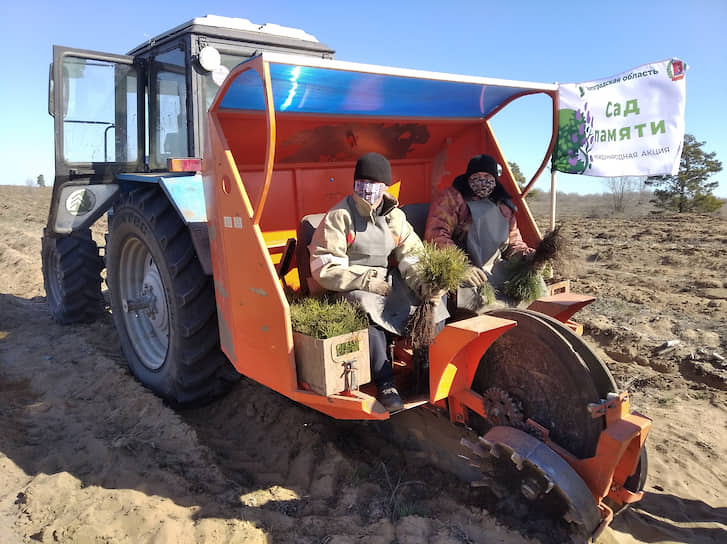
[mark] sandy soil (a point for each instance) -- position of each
(88, 455)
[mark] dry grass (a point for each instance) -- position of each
(596, 206)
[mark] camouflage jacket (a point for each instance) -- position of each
(449, 221)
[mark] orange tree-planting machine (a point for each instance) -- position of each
(214, 150)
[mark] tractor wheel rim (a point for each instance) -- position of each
(157, 312)
(148, 327)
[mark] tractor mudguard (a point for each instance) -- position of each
(185, 191)
(80, 206)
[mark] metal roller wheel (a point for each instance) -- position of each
(518, 467)
(535, 364)
(605, 383)
(601, 375)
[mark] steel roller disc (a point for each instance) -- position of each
(605, 384)
(536, 365)
(602, 377)
(529, 471)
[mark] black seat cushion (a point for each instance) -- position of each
(416, 214)
(306, 228)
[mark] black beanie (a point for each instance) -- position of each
(373, 166)
(482, 163)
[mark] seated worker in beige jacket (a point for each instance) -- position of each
(351, 253)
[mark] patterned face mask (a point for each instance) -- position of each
(370, 191)
(482, 184)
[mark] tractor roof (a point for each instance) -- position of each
(242, 30)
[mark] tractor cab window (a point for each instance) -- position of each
(99, 111)
(168, 108)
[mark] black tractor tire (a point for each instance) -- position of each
(72, 277)
(634, 483)
(162, 303)
(637, 481)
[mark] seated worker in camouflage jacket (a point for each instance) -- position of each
(477, 215)
(351, 253)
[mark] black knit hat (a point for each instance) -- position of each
(373, 166)
(482, 163)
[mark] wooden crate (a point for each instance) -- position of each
(559, 287)
(326, 372)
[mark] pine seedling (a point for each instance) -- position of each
(322, 318)
(486, 294)
(550, 249)
(524, 281)
(440, 269)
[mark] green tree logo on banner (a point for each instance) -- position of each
(575, 140)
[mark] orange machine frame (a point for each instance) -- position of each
(254, 207)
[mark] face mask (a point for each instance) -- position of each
(481, 185)
(370, 191)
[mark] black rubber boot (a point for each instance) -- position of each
(389, 397)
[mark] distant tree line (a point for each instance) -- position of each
(624, 187)
(690, 190)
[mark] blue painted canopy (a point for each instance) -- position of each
(336, 89)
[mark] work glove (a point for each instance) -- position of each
(475, 276)
(378, 287)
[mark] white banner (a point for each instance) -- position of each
(631, 124)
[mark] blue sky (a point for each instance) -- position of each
(525, 40)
